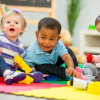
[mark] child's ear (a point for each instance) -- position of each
(2, 27)
(59, 37)
(36, 34)
(22, 30)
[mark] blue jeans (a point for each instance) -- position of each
(3, 66)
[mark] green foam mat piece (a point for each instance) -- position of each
(58, 82)
(80, 65)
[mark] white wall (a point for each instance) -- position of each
(90, 10)
(88, 14)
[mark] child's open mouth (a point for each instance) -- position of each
(45, 47)
(11, 30)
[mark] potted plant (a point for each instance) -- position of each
(73, 10)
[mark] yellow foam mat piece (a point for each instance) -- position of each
(66, 93)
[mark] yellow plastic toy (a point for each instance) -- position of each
(23, 65)
(68, 83)
(27, 80)
(94, 88)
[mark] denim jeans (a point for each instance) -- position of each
(3, 66)
(56, 69)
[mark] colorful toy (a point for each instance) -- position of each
(78, 69)
(89, 58)
(94, 88)
(27, 80)
(23, 65)
(51, 78)
(92, 27)
(68, 83)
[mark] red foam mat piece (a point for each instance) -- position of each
(15, 87)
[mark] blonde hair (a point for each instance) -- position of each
(23, 19)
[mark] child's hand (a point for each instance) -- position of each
(70, 71)
(0, 51)
(74, 74)
(17, 65)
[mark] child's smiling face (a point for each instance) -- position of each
(12, 27)
(47, 38)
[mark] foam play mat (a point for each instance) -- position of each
(61, 93)
(48, 90)
(15, 87)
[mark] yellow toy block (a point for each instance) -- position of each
(27, 80)
(68, 83)
(94, 88)
(23, 65)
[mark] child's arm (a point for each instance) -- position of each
(69, 63)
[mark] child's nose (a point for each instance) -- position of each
(47, 41)
(11, 23)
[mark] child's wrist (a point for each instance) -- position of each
(70, 67)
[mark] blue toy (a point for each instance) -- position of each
(51, 78)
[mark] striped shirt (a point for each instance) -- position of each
(10, 49)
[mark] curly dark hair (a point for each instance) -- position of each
(50, 23)
(97, 20)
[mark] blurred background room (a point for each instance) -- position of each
(76, 17)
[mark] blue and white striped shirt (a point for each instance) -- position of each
(10, 49)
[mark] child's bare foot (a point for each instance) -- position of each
(79, 74)
(45, 75)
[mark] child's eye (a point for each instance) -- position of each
(16, 22)
(8, 21)
(43, 37)
(52, 39)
